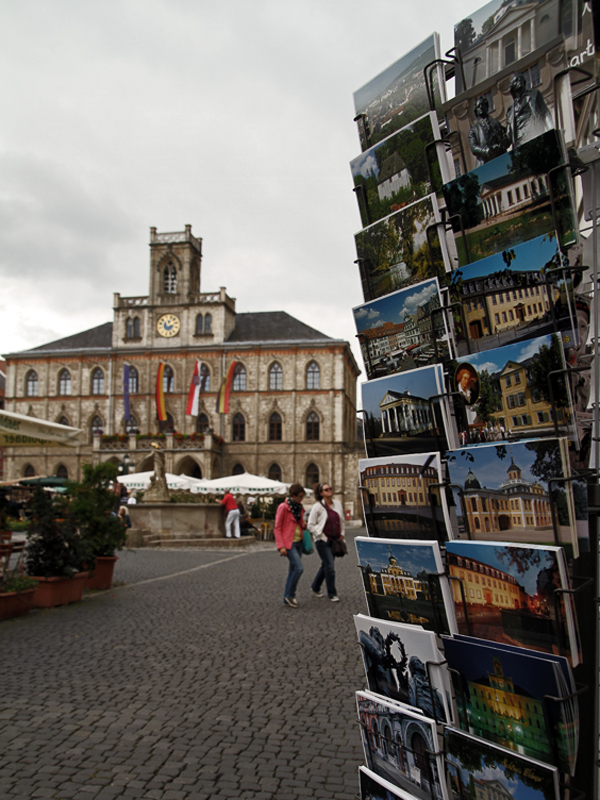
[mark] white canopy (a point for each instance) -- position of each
(243, 484)
(19, 430)
(141, 481)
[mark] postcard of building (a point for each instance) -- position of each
(402, 497)
(503, 492)
(404, 581)
(400, 169)
(495, 771)
(499, 34)
(401, 746)
(374, 787)
(501, 696)
(520, 102)
(403, 330)
(514, 295)
(405, 413)
(508, 593)
(396, 660)
(507, 200)
(398, 95)
(508, 394)
(402, 249)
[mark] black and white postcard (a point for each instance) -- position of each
(404, 582)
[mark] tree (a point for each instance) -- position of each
(92, 505)
(549, 359)
(489, 401)
(464, 34)
(54, 547)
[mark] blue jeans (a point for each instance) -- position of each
(296, 569)
(326, 570)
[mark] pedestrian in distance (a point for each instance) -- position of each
(233, 516)
(289, 525)
(326, 523)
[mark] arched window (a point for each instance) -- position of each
(204, 378)
(132, 328)
(96, 426)
(208, 323)
(170, 279)
(275, 428)
(167, 425)
(64, 382)
(275, 377)
(168, 381)
(63, 421)
(97, 381)
(238, 469)
(129, 328)
(31, 384)
(131, 424)
(312, 475)
(275, 472)
(29, 471)
(313, 376)
(199, 325)
(134, 381)
(239, 379)
(202, 423)
(312, 427)
(239, 428)
(62, 471)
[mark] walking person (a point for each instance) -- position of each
(326, 522)
(233, 516)
(289, 524)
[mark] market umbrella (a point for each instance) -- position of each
(19, 430)
(246, 483)
(141, 480)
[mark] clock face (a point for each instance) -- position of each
(168, 325)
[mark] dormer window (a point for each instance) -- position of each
(170, 279)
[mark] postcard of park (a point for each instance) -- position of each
(404, 582)
(398, 95)
(471, 761)
(385, 726)
(508, 593)
(402, 249)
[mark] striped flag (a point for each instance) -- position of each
(196, 388)
(161, 409)
(225, 390)
(126, 392)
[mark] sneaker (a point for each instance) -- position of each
(335, 599)
(291, 601)
(317, 594)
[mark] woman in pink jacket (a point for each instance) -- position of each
(289, 524)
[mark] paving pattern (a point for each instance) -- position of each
(189, 679)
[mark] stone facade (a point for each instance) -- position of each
(291, 370)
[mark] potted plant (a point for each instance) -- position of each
(16, 589)
(93, 504)
(55, 552)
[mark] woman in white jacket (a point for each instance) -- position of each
(326, 522)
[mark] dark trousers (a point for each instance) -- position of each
(326, 570)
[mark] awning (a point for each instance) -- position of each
(18, 430)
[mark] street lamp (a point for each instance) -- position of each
(125, 464)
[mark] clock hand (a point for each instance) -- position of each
(167, 327)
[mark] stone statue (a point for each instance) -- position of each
(529, 115)
(487, 138)
(158, 491)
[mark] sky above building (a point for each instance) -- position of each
(235, 117)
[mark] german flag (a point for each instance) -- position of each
(161, 409)
(225, 390)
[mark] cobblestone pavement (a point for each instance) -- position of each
(189, 679)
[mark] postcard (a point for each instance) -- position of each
(509, 593)
(404, 582)
(503, 492)
(502, 696)
(507, 200)
(400, 169)
(508, 394)
(398, 95)
(406, 414)
(401, 746)
(403, 663)
(473, 762)
(402, 249)
(402, 497)
(403, 330)
(374, 787)
(514, 295)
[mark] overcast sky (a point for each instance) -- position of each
(234, 116)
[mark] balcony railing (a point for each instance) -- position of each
(167, 441)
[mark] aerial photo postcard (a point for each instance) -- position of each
(403, 330)
(402, 497)
(403, 663)
(404, 581)
(398, 95)
(501, 697)
(405, 413)
(389, 728)
(503, 492)
(496, 772)
(508, 593)
(514, 295)
(507, 200)
(399, 170)
(402, 249)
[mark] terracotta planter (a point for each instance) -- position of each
(102, 576)
(15, 604)
(58, 591)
